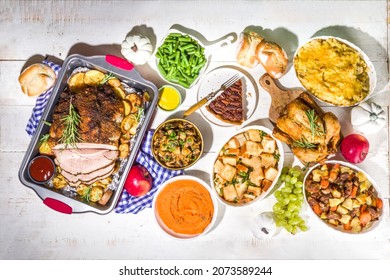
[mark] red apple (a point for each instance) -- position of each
(138, 181)
(354, 148)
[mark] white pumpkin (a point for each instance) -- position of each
(368, 118)
(137, 49)
(264, 226)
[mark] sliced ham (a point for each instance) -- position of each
(85, 162)
(89, 178)
(83, 145)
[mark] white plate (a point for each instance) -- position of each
(214, 79)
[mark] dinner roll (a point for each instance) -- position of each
(36, 79)
(246, 51)
(273, 58)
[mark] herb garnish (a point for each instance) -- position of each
(106, 78)
(140, 114)
(244, 176)
(44, 138)
(304, 143)
(314, 127)
(70, 135)
(86, 194)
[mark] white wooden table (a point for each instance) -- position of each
(31, 30)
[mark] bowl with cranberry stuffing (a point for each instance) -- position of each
(343, 196)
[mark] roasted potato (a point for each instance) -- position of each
(127, 107)
(76, 81)
(93, 77)
(135, 100)
(124, 150)
(114, 82)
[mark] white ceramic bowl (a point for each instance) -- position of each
(279, 167)
(340, 228)
(168, 231)
(370, 68)
(202, 69)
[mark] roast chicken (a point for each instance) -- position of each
(311, 134)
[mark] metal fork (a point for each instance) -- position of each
(224, 86)
(211, 95)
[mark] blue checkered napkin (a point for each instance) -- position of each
(40, 104)
(131, 204)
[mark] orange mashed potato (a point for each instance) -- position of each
(185, 207)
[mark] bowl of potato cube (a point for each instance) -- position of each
(247, 166)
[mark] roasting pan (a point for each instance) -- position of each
(66, 201)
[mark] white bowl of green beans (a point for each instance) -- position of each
(181, 59)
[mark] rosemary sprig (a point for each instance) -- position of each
(140, 114)
(106, 78)
(47, 123)
(44, 138)
(314, 127)
(70, 135)
(86, 194)
(304, 143)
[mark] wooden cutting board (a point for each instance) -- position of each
(280, 96)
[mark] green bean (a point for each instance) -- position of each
(181, 59)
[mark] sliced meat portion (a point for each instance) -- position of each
(88, 178)
(100, 110)
(86, 162)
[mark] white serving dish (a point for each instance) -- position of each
(208, 50)
(279, 166)
(340, 229)
(371, 70)
(170, 232)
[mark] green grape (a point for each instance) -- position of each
(285, 170)
(287, 214)
(286, 189)
(303, 227)
(291, 207)
(296, 173)
(293, 197)
(294, 230)
(289, 201)
(286, 201)
(297, 190)
(299, 184)
(277, 207)
(288, 227)
(295, 221)
(279, 222)
(293, 180)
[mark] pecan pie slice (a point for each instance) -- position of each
(229, 105)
